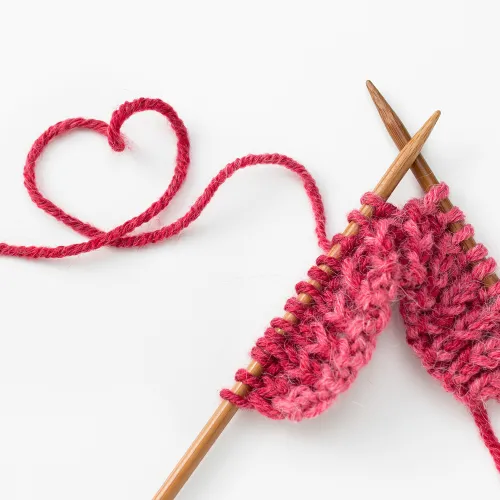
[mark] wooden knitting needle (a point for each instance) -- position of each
(420, 168)
(226, 410)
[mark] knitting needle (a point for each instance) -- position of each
(226, 410)
(423, 173)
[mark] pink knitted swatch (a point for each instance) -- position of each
(317, 359)
(453, 321)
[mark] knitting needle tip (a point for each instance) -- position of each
(370, 86)
(376, 95)
(431, 122)
(389, 117)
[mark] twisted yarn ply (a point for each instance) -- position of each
(452, 320)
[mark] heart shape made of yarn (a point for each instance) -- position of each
(120, 236)
(117, 237)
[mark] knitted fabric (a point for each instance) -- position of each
(320, 356)
(452, 320)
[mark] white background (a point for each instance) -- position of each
(110, 363)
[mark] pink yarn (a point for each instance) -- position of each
(117, 237)
(452, 320)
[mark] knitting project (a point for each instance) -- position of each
(452, 320)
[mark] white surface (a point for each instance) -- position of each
(111, 363)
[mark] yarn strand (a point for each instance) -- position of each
(480, 414)
(117, 237)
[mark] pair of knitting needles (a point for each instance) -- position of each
(409, 157)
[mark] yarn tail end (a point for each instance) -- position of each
(482, 419)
